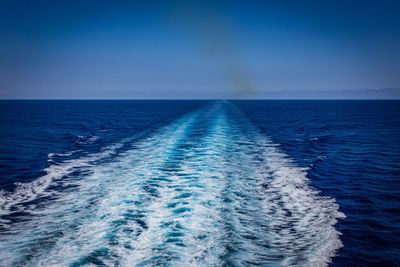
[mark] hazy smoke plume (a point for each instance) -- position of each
(217, 42)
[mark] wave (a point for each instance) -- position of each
(206, 190)
(66, 154)
(84, 140)
(15, 202)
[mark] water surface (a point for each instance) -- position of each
(203, 183)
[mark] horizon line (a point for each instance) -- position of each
(191, 99)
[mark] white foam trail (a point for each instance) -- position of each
(297, 224)
(100, 200)
(13, 202)
(141, 164)
(192, 235)
(207, 190)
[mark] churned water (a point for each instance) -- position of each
(199, 183)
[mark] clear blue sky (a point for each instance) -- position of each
(199, 49)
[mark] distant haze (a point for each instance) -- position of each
(199, 49)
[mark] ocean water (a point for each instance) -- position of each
(199, 183)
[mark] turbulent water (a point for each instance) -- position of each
(207, 188)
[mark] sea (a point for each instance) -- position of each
(199, 183)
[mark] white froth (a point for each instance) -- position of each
(231, 196)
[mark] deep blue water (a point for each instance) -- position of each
(208, 183)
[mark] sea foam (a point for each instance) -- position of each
(207, 190)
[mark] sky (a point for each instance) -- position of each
(199, 49)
